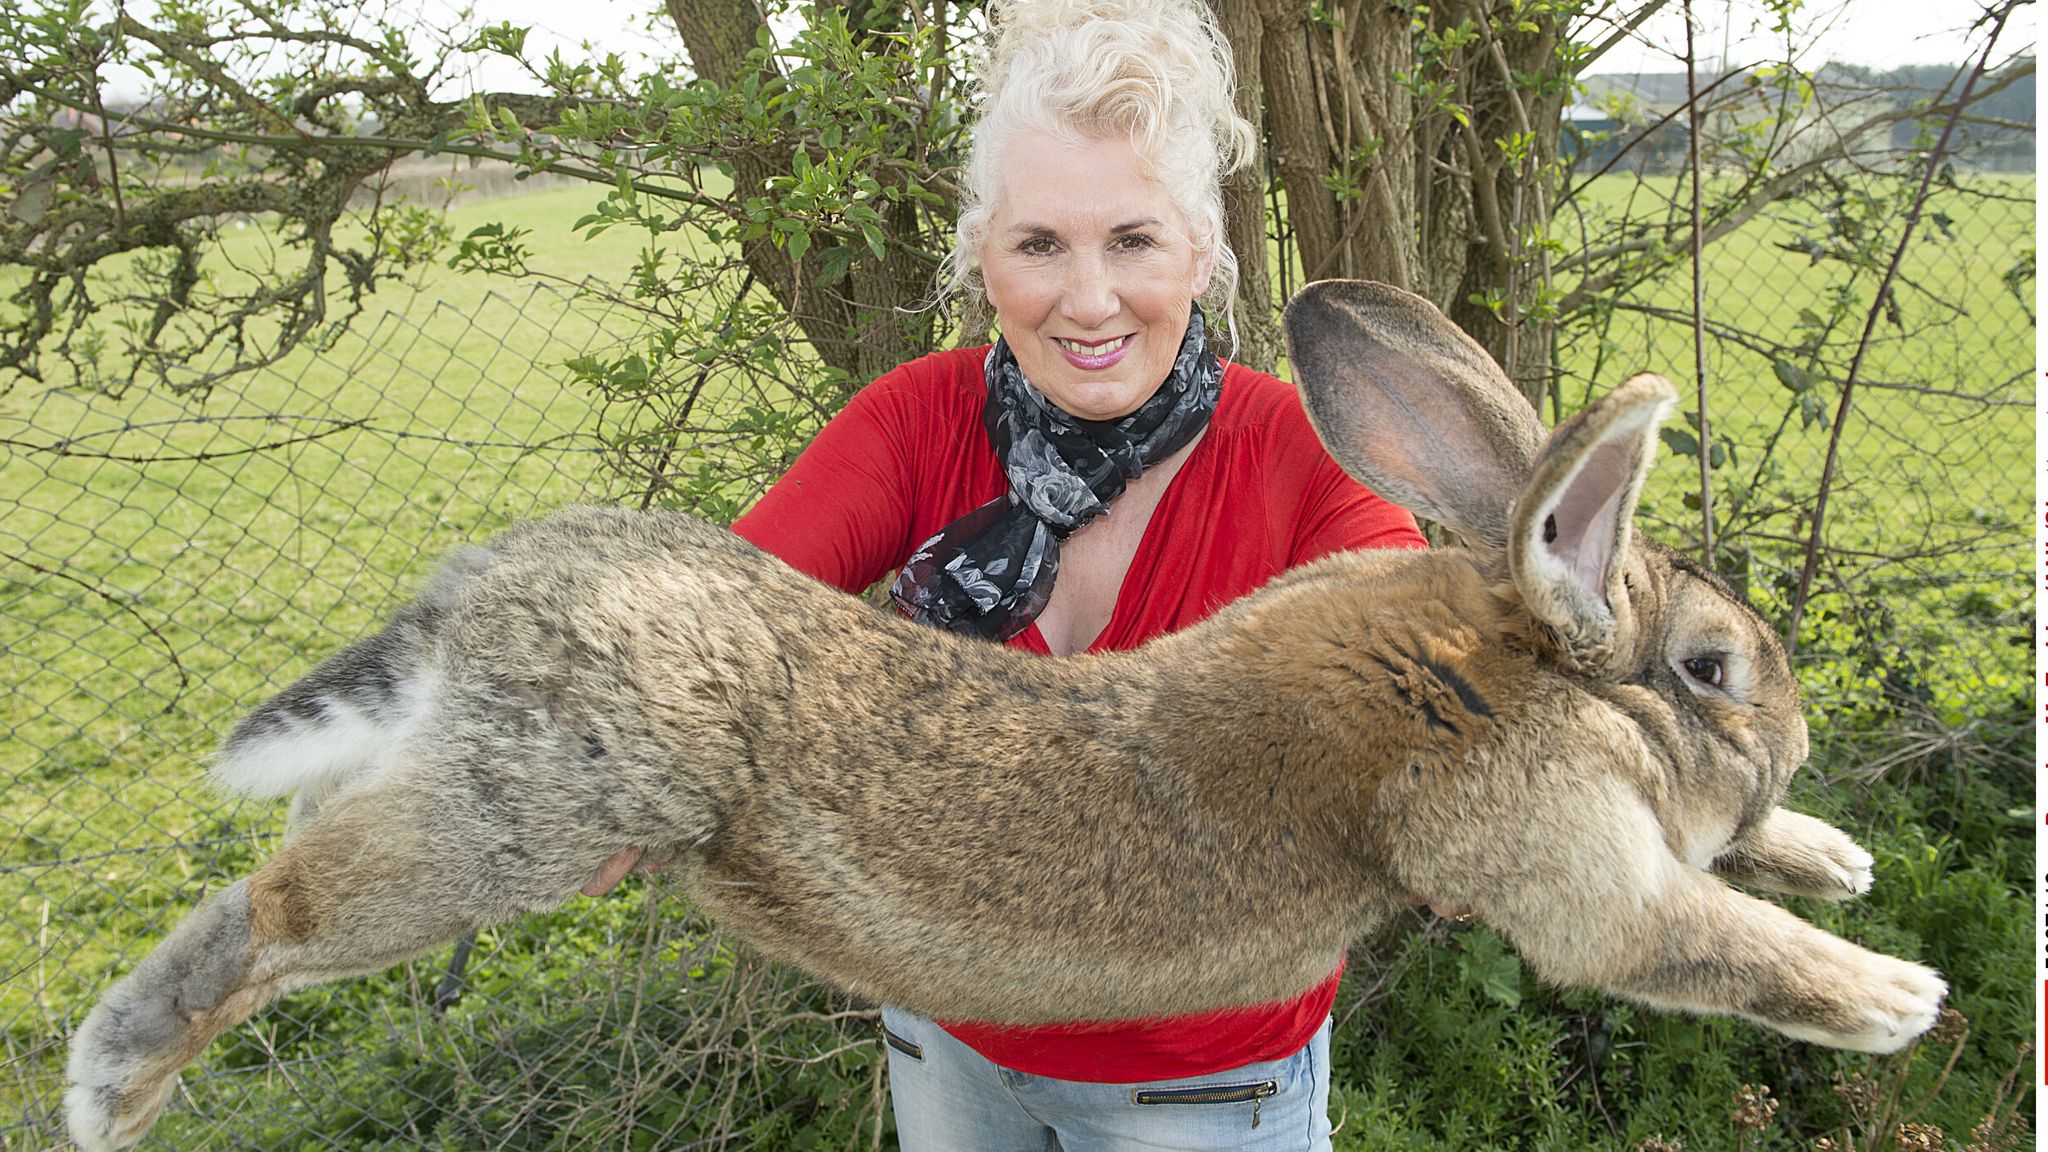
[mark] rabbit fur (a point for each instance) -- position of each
(1578, 735)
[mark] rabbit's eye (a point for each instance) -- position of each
(1705, 669)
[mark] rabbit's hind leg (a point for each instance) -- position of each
(381, 875)
(125, 1057)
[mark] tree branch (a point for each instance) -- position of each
(1620, 34)
(1877, 309)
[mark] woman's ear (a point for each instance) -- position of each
(1205, 263)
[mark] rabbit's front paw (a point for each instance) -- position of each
(1897, 1000)
(1794, 853)
(1849, 865)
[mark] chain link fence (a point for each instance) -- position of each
(1868, 450)
(168, 561)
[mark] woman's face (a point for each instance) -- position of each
(1089, 266)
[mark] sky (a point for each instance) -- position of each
(1878, 33)
(1872, 32)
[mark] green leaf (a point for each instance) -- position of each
(1791, 375)
(835, 262)
(1484, 961)
(1681, 442)
(799, 243)
(1811, 412)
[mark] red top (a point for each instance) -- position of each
(1256, 496)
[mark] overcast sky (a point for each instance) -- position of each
(1874, 32)
(1880, 33)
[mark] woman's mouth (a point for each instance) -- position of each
(1093, 356)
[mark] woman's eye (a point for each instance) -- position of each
(1134, 242)
(1705, 669)
(1036, 246)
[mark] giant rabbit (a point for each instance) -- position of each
(1580, 736)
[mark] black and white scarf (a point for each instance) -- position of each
(990, 572)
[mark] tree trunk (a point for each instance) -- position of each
(1300, 156)
(1383, 181)
(1376, 45)
(1518, 193)
(1244, 199)
(868, 322)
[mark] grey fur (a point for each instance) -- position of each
(977, 833)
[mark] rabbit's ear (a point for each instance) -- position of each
(1411, 406)
(1571, 525)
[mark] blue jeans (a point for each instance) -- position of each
(949, 1098)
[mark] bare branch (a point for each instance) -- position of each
(1877, 308)
(1621, 33)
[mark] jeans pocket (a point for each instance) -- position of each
(1253, 1092)
(902, 1044)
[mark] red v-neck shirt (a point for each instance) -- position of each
(1256, 496)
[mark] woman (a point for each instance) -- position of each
(1095, 479)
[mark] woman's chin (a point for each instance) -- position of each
(1104, 394)
(1102, 400)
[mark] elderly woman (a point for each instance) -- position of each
(1097, 478)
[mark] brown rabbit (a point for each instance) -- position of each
(1566, 731)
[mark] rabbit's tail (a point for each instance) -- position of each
(354, 710)
(346, 716)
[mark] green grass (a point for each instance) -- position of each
(1923, 522)
(147, 604)
(1963, 331)
(249, 566)
(162, 573)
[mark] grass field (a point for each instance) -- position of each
(1935, 458)
(164, 575)
(160, 574)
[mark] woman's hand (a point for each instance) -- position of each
(615, 868)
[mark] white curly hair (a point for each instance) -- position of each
(1157, 72)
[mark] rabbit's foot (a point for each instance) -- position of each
(112, 1115)
(1882, 1008)
(1853, 867)
(1840, 866)
(126, 1055)
(1796, 854)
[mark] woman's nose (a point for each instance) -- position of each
(1089, 296)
